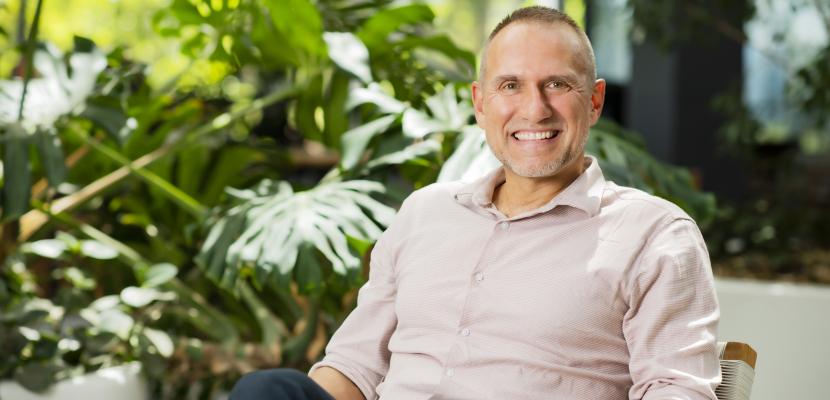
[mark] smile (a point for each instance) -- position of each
(541, 135)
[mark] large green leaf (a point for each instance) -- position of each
(270, 228)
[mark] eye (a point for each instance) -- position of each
(510, 86)
(558, 85)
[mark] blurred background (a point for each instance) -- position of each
(193, 186)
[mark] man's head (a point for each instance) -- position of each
(537, 94)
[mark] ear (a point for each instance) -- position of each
(597, 100)
(478, 103)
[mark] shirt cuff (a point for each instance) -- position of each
(363, 383)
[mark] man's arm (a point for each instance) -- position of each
(672, 320)
(338, 386)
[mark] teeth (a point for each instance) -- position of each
(534, 135)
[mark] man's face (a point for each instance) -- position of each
(535, 101)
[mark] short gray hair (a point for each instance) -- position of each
(547, 16)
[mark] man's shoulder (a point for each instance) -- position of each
(629, 199)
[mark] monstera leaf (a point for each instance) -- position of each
(271, 231)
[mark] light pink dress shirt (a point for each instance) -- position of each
(606, 292)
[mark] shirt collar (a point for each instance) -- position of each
(584, 193)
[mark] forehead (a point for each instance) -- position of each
(530, 47)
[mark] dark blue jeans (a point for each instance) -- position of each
(278, 384)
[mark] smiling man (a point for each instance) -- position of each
(541, 280)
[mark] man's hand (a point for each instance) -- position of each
(337, 384)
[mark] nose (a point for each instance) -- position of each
(536, 107)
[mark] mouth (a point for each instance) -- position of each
(535, 135)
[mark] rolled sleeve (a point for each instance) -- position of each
(671, 324)
(359, 348)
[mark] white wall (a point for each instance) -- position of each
(789, 326)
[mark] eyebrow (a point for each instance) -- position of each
(568, 77)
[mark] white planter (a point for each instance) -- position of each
(789, 326)
(123, 382)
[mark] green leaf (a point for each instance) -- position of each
(416, 124)
(117, 125)
(411, 152)
(105, 303)
(78, 278)
(300, 23)
(37, 376)
(51, 156)
(304, 113)
(269, 226)
(160, 274)
(309, 272)
(356, 140)
(117, 322)
(336, 118)
(16, 177)
(374, 94)
(160, 340)
(141, 296)
(443, 45)
(349, 53)
(98, 250)
(48, 248)
(376, 29)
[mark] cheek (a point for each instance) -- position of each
(498, 110)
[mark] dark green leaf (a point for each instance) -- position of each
(51, 156)
(309, 272)
(37, 376)
(117, 125)
(375, 31)
(16, 177)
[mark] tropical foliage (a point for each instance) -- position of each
(209, 230)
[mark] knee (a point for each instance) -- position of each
(272, 383)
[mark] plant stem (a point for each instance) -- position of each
(29, 57)
(183, 199)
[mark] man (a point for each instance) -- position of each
(541, 280)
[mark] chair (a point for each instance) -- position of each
(737, 362)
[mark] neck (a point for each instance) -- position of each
(519, 193)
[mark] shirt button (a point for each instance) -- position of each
(504, 225)
(465, 332)
(479, 276)
(450, 372)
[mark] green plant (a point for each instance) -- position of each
(46, 339)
